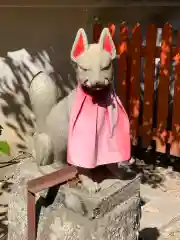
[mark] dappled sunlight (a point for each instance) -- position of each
(135, 28)
(165, 47)
(146, 124)
(124, 30)
(122, 48)
(147, 103)
(135, 107)
(132, 79)
(163, 57)
(174, 135)
(177, 127)
(124, 83)
(17, 70)
(177, 58)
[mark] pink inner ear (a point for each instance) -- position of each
(107, 44)
(79, 47)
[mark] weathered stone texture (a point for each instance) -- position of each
(113, 213)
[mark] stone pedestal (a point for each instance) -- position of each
(113, 213)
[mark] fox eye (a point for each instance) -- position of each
(106, 67)
(82, 68)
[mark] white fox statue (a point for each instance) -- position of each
(89, 127)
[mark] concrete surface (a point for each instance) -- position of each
(159, 210)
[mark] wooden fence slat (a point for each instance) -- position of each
(97, 28)
(122, 51)
(146, 130)
(112, 29)
(134, 104)
(175, 143)
(163, 89)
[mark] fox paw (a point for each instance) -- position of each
(91, 186)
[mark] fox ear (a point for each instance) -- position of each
(80, 44)
(107, 43)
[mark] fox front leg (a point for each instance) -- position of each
(43, 149)
(45, 155)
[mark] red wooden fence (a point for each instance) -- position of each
(129, 54)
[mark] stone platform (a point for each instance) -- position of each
(72, 213)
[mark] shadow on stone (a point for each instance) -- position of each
(46, 201)
(3, 225)
(5, 188)
(149, 234)
(101, 173)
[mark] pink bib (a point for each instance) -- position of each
(99, 131)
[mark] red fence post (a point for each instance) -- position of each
(134, 101)
(150, 54)
(175, 139)
(122, 52)
(163, 89)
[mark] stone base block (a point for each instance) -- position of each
(113, 213)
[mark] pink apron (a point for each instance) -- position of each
(98, 130)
